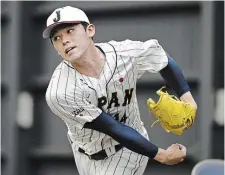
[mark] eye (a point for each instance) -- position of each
(70, 30)
(56, 38)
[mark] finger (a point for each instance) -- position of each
(182, 147)
(182, 154)
(176, 145)
(184, 150)
(172, 146)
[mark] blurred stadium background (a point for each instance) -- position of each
(34, 141)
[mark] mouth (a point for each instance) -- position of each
(69, 49)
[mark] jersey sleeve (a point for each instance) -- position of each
(72, 107)
(149, 55)
(152, 58)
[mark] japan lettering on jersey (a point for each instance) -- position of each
(78, 99)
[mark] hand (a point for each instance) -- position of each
(174, 154)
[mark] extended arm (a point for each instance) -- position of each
(173, 75)
(134, 141)
(123, 134)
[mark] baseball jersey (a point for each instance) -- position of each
(77, 98)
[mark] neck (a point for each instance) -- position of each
(91, 62)
(87, 57)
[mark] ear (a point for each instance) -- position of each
(91, 30)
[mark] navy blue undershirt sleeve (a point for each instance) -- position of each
(123, 134)
(174, 77)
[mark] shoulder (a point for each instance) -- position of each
(59, 72)
(118, 44)
(128, 42)
(63, 81)
(131, 45)
(153, 43)
(133, 48)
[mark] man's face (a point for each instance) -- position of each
(72, 42)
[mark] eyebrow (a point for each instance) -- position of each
(53, 33)
(62, 27)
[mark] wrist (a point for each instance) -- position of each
(188, 98)
(161, 156)
(194, 105)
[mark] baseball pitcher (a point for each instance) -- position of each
(93, 90)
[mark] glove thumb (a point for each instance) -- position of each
(159, 92)
(151, 103)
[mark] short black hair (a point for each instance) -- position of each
(84, 24)
(64, 25)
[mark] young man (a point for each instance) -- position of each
(93, 90)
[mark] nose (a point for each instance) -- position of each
(65, 41)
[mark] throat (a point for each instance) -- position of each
(92, 68)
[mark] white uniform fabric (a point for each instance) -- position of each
(78, 99)
(123, 162)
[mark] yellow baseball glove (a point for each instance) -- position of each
(173, 114)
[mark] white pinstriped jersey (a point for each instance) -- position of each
(78, 99)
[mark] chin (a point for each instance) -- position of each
(73, 58)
